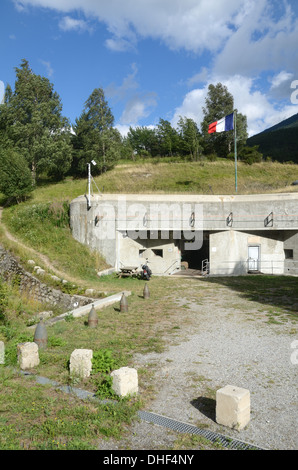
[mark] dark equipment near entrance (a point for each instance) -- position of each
(146, 272)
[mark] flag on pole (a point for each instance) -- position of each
(223, 125)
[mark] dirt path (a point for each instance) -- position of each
(39, 256)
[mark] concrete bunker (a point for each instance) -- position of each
(219, 235)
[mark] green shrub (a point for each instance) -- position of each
(58, 213)
(250, 155)
(15, 176)
(103, 361)
(104, 387)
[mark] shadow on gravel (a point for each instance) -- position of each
(206, 406)
(280, 292)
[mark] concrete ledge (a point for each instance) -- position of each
(106, 272)
(85, 309)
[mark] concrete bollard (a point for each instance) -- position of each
(123, 303)
(146, 292)
(233, 407)
(41, 336)
(92, 318)
(28, 357)
(125, 381)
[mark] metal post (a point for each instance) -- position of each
(235, 148)
(89, 185)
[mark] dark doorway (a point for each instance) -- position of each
(194, 258)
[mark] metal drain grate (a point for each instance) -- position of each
(156, 419)
(188, 428)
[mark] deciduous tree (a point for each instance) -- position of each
(190, 138)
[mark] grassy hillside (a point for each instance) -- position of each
(151, 176)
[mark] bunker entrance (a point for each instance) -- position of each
(193, 259)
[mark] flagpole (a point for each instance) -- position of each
(235, 148)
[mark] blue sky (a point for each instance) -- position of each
(155, 58)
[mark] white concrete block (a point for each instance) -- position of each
(81, 363)
(28, 356)
(125, 381)
(233, 407)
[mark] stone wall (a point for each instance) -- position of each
(11, 270)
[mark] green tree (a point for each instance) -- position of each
(143, 141)
(218, 104)
(94, 136)
(15, 176)
(127, 151)
(241, 130)
(190, 138)
(34, 124)
(250, 155)
(168, 138)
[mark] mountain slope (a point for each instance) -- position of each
(280, 142)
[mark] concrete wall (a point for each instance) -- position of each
(252, 212)
(163, 256)
(229, 253)
(291, 250)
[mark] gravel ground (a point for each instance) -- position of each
(223, 339)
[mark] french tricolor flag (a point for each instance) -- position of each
(223, 125)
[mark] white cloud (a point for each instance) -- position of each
(128, 85)
(48, 67)
(137, 105)
(280, 78)
(191, 24)
(192, 106)
(123, 129)
(71, 24)
(199, 77)
(262, 42)
(246, 35)
(119, 45)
